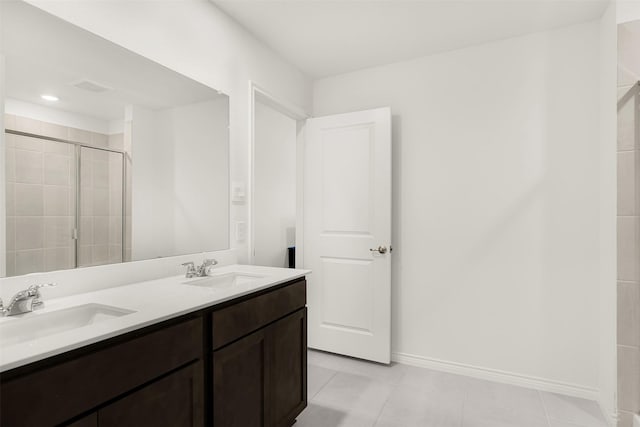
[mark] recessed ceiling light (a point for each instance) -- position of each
(52, 98)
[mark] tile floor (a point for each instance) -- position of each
(348, 392)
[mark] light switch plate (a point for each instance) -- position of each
(240, 231)
(238, 192)
(636, 420)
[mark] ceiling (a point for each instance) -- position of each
(45, 54)
(329, 37)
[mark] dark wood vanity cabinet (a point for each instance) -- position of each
(260, 359)
(174, 400)
(260, 379)
(242, 363)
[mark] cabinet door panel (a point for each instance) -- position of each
(240, 383)
(54, 394)
(237, 320)
(173, 401)
(90, 420)
(287, 341)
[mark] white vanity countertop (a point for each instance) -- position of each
(152, 302)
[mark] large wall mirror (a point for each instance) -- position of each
(109, 157)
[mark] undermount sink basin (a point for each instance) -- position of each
(224, 280)
(31, 326)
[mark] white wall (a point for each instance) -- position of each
(180, 174)
(275, 186)
(60, 117)
(149, 218)
(201, 175)
(496, 205)
(608, 212)
(3, 197)
(196, 39)
(627, 10)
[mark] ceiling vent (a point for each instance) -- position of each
(90, 86)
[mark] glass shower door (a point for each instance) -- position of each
(100, 214)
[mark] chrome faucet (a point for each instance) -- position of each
(24, 301)
(201, 270)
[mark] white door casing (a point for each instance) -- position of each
(347, 213)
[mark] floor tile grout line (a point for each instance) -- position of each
(544, 406)
(395, 387)
(324, 384)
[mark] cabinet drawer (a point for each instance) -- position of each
(238, 320)
(54, 394)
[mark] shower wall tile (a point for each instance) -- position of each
(11, 198)
(29, 233)
(86, 201)
(100, 230)
(9, 121)
(115, 230)
(116, 141)
(10, 164)
(84, 256)
(25, 124)
(628, 373)
(100, 254)
(11, 263)
(28, 143)
(30, 202)
(101, 174)
(29, 261)
(57, 169)
(629, 314)
(625, 419)
(41, 198)
(628, 255)
(58, 232)
(628, 287)
(54, 131)
(115, 202)
(9, 139)
(626, 126)
(115, 254)
(58, 259)
(28, 166)
(100, 156)
(101, 201)
(57, 200)
(79, 135)
(99, 140)
(58, 148)
(11, 234)
(86, 172)
(86, 230)
(628, 173)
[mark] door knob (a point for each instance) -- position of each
(380, 249)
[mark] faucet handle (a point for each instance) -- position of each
(191, 269)
(34, 290)
(207, 264)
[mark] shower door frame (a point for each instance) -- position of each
(78, 146)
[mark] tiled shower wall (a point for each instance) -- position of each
(41, 197)
(628, 231)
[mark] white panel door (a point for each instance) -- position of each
(347, 217)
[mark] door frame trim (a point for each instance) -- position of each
(259, 93)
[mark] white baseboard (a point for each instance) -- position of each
(511, 378)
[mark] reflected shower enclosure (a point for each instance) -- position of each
(66, 199)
